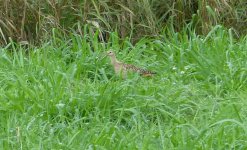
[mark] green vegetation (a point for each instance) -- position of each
(58, 92)
(63, 95)
(33, 20)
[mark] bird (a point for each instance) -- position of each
(121, 69)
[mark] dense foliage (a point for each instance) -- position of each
(33, 20)
(57, 91)
(64, 95)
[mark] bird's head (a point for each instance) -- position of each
(110, 53)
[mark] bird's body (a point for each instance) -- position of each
(122, 69)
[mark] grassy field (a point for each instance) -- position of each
(64, 95)
(31, 21)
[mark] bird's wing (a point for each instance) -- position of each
(139, 70)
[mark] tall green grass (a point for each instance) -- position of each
(31, 21)
(63, 95)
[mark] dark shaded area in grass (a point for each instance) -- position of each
(33, 21)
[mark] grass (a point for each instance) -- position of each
(29, 21)
(62, 95)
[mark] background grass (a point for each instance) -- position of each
(29, 21)
(62, 95)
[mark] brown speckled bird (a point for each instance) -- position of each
(122, 69)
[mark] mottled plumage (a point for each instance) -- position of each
(122, 68)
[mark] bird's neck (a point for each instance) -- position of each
(114, 60)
